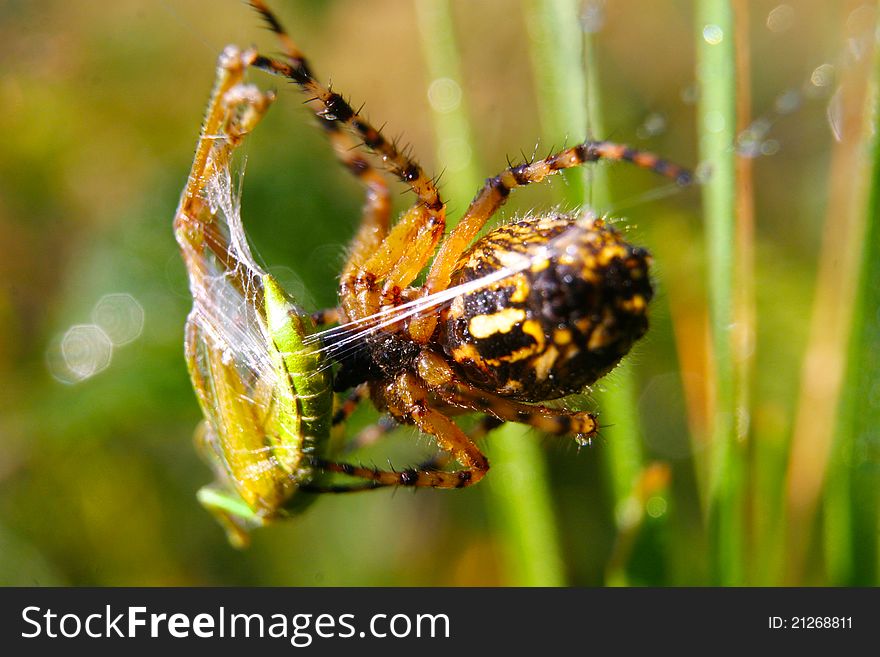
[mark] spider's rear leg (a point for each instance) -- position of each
(375, 216)
(408, 400)
(441, 379)
(426, 471)
(350, 403)
(496, 190)
(372, 433)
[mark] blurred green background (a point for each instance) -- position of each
(102, 104)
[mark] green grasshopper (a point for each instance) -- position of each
(265, 395)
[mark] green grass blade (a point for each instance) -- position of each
(717, 125)
(519, 493)
(556, 49)
(622, 452)
(452, 129)
(852, 498)
(522, 508)
(568, 86)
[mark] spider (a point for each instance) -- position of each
(540, 334)
(533, 311)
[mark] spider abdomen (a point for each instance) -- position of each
(574, 306)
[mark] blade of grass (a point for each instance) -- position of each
(717, 124)
(519, 493)
(830, 328)
(567, 83)
(852, 498)
(744, 311)
(452, 128)
(622, 453)
(556, 49)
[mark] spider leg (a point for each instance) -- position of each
(441, 380)
(484, 425)
(371, 434)
(376, 214)
(367, 285)
(334, 109)
(375, 255)
(350, 404)
(555, 421)
(339, 488)
(496, 190)
(412, 478)
(408, 399)
(325, 316)
(375, 217)
(375, 477)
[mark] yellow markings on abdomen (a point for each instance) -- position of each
(484, 326)
(466, 352)
(636, 305)
(544, 363)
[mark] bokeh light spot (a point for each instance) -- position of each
(444, 94)
(120, 316)
(654, 124)
(822, 75)
(713, 34)
(83, 351)
(780, 18)
(656, 506)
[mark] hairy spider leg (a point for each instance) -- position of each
(350, 403)
(421, 228)
(440, 460)
(443, 382)
(495, 192)
(411, 400)
(335, 108)
(372, 433)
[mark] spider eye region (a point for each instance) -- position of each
(556, 326)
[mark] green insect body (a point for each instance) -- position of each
(304, 379)
(264, 392)
(262, 452)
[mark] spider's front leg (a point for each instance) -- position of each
(495, 192)
(396, 258)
